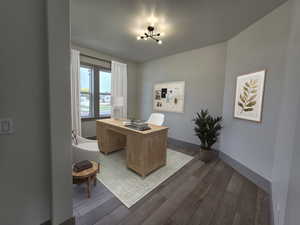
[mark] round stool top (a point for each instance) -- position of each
(88, 172)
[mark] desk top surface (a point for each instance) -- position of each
(119, 123)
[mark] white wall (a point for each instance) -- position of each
(261, 46)
(202, 70)
(25, 155)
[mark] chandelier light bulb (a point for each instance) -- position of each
(138, 38)
(152, 20)
(159, 42)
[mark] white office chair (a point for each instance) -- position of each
(156, 119)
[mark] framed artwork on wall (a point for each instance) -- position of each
(169, 97)
(249, 95)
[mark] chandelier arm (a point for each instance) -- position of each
(154, 38)
(151, 34)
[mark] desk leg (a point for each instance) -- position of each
(110, 140)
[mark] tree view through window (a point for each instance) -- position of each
(95, 92)
(85, 91)
(105, 93)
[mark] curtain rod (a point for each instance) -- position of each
(92, 57)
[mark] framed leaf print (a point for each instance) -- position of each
(249, 96)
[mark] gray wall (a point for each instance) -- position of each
(60, 109)
(286, 179)
(89, 127)
(293, 202)
(24, 155)
(202, 70)
(260, 46)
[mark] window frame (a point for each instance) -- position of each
(95, 95)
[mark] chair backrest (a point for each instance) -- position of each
(156, 119)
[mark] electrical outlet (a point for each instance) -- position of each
(6, 126)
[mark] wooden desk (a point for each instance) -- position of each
(145, 150)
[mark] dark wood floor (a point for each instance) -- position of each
(210, 194)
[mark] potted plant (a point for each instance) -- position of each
(208, 130)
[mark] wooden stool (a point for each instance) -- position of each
(87, 176)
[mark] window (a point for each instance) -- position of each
(95, 92)
(86, 91)
(105, 93)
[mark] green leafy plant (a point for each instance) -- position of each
(207, 129)
(247, 99)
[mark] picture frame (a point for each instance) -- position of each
(249, 96)
(169, 96)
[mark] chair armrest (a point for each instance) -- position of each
(84, 140)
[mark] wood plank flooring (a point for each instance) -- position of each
(211, 194)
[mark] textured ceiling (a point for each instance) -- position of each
(111, 26)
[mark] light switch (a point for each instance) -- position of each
(6, 126)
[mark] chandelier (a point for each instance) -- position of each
(150, 34)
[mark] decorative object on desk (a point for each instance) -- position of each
(169, 97)
(137, 125)
(118, 105)
(127, 122)
(208, 130)
(249, 96)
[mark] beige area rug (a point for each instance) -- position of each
(129, 187)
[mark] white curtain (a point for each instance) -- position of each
(119, 89)
(75, 91)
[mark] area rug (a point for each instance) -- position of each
(129, 187)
